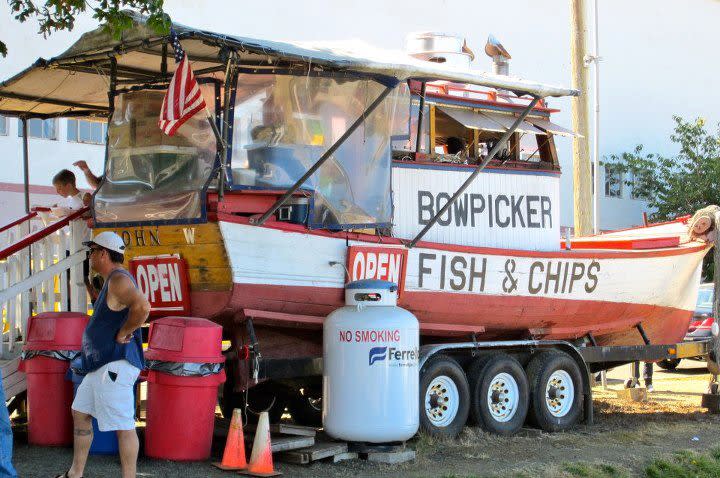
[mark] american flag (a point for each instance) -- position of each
(183, 98)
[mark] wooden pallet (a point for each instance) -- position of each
(318, 451)
(287, 429)
(13, 380)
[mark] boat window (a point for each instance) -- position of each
(150, 176)
(284, 123)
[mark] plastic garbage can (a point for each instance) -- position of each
(185, 364)
(53, 340)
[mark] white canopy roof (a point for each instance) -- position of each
(76, 82)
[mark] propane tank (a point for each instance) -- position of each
(370, 361)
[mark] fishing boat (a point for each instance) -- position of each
(338, 162)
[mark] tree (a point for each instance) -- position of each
(675, 186)
(57, 15)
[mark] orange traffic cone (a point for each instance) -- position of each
(261, 462)
(234, 454)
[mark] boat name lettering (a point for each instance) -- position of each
(380, 335)
(534, 212)
(140, 237)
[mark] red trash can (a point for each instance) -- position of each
(53, 339)
(185, 361)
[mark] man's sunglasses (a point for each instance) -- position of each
(95, 249)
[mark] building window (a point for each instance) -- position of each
(82, 131)
(3, 125)
(613, 182)
(37, 128)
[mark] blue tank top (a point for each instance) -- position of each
(98, 343)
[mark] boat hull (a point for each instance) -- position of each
(497, 293)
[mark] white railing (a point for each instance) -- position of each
(40, 271)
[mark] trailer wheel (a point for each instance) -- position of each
(305, 406)
(258, 401)
(499, 394)
(670, 364)
(556, 391)
(444, 397)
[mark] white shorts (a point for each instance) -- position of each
(108, 395)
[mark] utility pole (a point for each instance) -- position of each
(582, 176)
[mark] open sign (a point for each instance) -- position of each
(164, 282)
(383, 263)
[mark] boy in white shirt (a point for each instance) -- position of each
(72, 198)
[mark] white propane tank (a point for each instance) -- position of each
(370, 361)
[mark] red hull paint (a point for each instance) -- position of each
(611, 323)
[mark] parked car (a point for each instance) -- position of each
(700, 324)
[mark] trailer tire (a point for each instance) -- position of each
(444, 397)
(669, 364)
(556, 391)
(305, 407)
(273, 403)
(499, 394)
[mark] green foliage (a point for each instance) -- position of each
(57, 15)
(679, 185)
(686, 463)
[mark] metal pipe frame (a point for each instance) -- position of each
(418, 141)
(505, 137)
(324, 157)
(26, 163)
(69, 104)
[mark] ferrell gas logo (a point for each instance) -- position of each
(377, 354)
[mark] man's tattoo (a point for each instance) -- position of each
(81, 432)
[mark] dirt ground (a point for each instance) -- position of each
(627, 435)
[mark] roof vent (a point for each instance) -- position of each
(500, 56)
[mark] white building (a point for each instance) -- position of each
(657, 62)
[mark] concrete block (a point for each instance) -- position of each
(392, 457)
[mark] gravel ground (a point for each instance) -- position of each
(625, 434)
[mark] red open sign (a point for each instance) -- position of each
(384, 263)
(164, 282)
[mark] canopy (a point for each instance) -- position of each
(76, 82)
(486, 121)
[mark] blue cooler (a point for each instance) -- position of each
(104, 443)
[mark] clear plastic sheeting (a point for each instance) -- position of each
(284, 123)
(150, 176)
(184, 369)
(67, 355)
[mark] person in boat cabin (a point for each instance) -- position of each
(72, 198)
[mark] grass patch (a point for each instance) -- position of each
(595, 470)
(683, 464)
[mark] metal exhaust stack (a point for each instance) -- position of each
(500, 56)
(436, 47)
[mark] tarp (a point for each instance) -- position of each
(485, 121)
(76, 82)
(549, 126)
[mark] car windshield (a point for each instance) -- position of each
(705, 299)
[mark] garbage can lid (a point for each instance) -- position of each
(185, 339)
(56, 331)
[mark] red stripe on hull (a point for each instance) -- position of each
(504, 317)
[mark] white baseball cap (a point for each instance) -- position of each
(109, 240)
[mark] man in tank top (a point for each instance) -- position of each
(112, 358)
